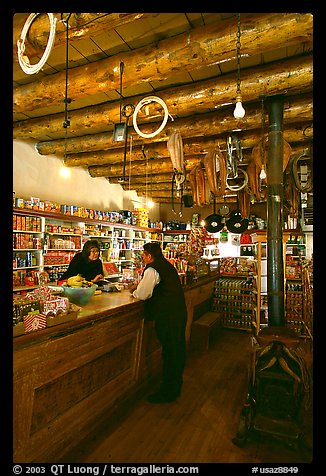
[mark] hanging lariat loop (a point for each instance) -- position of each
(22, 58)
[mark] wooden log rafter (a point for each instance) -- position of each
(290, 76)
(206, 45)
(144, 174)
(165, 197)
(291, 135)
(201, 110)
(81, 26)
(209, 124)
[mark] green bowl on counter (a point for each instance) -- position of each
(80, 295)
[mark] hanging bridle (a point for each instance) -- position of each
(233, 172)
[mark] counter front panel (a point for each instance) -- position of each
(70, 377)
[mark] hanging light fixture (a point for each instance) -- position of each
(119, 132)
(64, 171)
(239, 111)
(262, 174)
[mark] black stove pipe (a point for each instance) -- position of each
(275, 266)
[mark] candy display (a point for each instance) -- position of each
(197, 240)
(39, 309)
(34, 322)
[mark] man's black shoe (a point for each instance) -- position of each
(160, 398)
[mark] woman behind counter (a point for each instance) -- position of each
(87, 263)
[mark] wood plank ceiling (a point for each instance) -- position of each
(187, 59)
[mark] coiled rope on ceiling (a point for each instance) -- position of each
(22, 58)
(144, 102)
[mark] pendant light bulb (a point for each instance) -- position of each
(262, 175)
(64, 171)
(239, 111)
(150, 203)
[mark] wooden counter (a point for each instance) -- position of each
(69, 377)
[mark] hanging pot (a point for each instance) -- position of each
(237, 224)
(214, 222)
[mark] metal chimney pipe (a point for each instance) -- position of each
(275, 266)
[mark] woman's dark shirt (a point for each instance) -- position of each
(82, 265)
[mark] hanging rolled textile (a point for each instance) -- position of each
(199, 185)
(215, 167)
(257, 152)
(175, 149)
(200, 182)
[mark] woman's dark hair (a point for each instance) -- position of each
(154, 249)
(88, 246)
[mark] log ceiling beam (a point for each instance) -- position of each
(141, 179)
(288, 76)
(141, 175)
(209, 124)
(81, 26)
(165, 197)
(208, 45)
(167, 186)
(191, 147)
(291, 135)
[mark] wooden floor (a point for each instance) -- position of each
(199, 427)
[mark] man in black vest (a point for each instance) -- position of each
(161, 289)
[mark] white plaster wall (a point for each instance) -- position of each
(39, 176)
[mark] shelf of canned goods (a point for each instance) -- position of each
(235, 298)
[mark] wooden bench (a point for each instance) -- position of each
(204, 330)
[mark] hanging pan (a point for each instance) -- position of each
(237, 224)
(214, 222)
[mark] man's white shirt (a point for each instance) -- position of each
(147, 284)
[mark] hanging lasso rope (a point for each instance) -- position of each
(23, 59)
(236, 187)
(142, 103)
